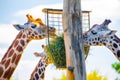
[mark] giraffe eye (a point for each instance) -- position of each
(93, 32)
(33, 26)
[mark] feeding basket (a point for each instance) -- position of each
(56, 51)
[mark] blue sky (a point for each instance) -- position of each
(14, 11)
(10, 7)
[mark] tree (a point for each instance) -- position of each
(72, 27)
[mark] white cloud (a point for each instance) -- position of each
(7, 33)
(24, 69)
(2, 51)
(102, 9)
(101, 59)
(37, 10)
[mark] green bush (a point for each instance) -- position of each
(116, 66)
(56, 51)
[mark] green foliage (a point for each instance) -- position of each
(86, 50)
(117, 79)
(116, 66)
(56, 51)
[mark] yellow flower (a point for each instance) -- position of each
(95, 76)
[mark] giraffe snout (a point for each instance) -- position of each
(85, 35)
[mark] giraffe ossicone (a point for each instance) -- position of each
(29, 31)
(101, 35)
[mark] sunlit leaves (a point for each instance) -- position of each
(116, 66)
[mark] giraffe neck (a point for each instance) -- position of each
(113, 43)
(39, 71)
(11, 58)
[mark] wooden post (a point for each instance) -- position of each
(72, 26)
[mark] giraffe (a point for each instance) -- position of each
(39, 71)
(29, 31)
(100, 35)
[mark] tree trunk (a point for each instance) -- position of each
(72, 26)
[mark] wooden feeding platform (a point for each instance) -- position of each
(55, 47)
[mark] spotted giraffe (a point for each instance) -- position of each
(102, 35)
(39, 71)
(29, 31)
(98, 35)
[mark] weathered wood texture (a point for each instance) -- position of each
(72, 26)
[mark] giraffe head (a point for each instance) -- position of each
(36, 29)
(41, 54)
(39, 71)
(98, 34)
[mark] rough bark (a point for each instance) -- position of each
(72, 26)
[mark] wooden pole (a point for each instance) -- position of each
(72, 26)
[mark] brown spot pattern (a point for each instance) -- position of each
(7, 73)
(33, 35)
(29, 32)
(13, 58)
(20, 35)
(40, 36)
(11, 53)
(19, 48)
(17, 59)
(37, 76)
(36, 33)
(39, 71)
(118, 53)
(1, 71)
(22, 42)
(24, 36)
(42, 76)
(16, 43)
(7, 63)
(10, 72)
(3, 61)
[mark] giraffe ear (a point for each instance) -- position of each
(18, 27)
